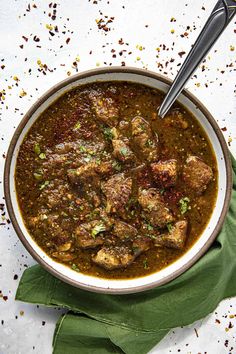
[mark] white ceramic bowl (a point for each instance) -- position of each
(192, 255)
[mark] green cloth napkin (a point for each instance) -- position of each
(133, 324)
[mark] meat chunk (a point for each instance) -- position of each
(121, 150)
(89, 173)
(197, 174)
(141, 244)
(64, 256)
(165, 173)
(105, 108)
(117, 191)
(154, 207)
(124, 231)
(176, 236)
(90, 234)
(114, 257)
(144, 139)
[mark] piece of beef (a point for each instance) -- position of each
(89, 173)
(154, 208)
(144, 139)
(197, 174)
(114, 257)
(117, 191)
(122, 151)
(90, 234)
(165, 173)
(176, 236)
(141, 244)
(64, 256)
(106, 109)
(124, 231)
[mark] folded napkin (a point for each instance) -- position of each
(133, 324)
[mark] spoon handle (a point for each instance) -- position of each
(219, 19)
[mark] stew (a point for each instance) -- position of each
(108, 188)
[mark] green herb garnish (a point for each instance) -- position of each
(145, 264)
(42, 156)
(108, 133)
(149, 227)
(75, 267)
(184, 207)
(116, 166)
(97, 229)
(82, 148)
(77, 126)
(124, 151)
(43, 185)
(149, 143)
(37, 149)
(38, 176)
(169, 226)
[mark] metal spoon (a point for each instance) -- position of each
(219, 19)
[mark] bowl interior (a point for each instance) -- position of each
(171, 271)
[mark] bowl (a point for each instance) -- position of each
(167, 274)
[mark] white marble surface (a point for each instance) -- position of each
(24, 328)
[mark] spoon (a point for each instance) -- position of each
(219, 19)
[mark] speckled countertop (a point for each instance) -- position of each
(43, 42)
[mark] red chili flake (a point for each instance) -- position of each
(217, 321)
(5, 298)
(230, 325)
(121, 41)
(123, 63)
(68, 40)
(181, 54)
(36, 39)
(224, 129)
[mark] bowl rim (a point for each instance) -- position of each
(32, 110)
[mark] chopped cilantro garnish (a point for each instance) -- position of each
(82, 148)
(77, 126)
(97, 229)
(162, 191)
(37, 149)
(169, 226)
(38, 176)
(75, 267)
(116, 166)
(184, 207)
(108, 133)
(124, 151)
(145, 264)
(149, 227)
(149, 143)
(42, 156)
(43, 185)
